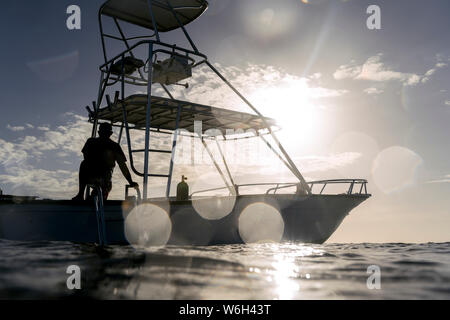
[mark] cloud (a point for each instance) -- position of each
(375, 70)
(253, 81)
(324, 163)
(432, 71)
(45, 183)
(347, 72)
(373, 91)
(447, 103)
(10, 155)
(33, 164)
(15, 129)
(445, 179)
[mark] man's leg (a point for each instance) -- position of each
(106, 187)
(83, 178)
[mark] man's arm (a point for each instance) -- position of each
(126, 173)
(121, 161)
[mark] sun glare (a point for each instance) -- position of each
(292, 107)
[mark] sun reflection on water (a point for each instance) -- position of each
(286, 270)
(284, 274)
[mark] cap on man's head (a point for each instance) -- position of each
(105, 128)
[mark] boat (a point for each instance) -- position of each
(292, 211)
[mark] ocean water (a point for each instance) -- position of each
(283, 271)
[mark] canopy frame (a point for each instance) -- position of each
(106, 10)
(153, 47)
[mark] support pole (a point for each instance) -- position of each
(124, 39)
(227, 168)
(217, 166)
(100, 91)
(155, 27)
(119, 140)
(294, 169)
(186, 34)
(103, 85)
(99, 101)
(276, 153)
(174, 147)
(148, 119)
(167, 91)
(127, 134)
(102, 34)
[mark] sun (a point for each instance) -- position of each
(292, 107)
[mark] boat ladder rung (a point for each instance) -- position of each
(159, 175)
(152, 150)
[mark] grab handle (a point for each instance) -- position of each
(138, 192)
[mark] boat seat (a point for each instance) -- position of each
(130, 65)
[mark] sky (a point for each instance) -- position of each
(353, 102)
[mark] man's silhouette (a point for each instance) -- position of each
(100, 157)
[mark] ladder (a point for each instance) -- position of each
(147, 150)
(99, 213)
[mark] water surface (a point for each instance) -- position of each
(257, 271)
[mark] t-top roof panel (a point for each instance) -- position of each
(137, 12)
(164, 115)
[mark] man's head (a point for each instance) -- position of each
(105, 130)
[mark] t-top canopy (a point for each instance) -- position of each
(164, 115)
(137, 12)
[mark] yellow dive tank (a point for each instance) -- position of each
(183, 190)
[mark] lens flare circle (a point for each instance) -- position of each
(148, 225)
(214, 208)
(395, 168)
(261, 222)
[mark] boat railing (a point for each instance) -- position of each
(240, 186)
(164, 48)
(174, 49)
(353, 184)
